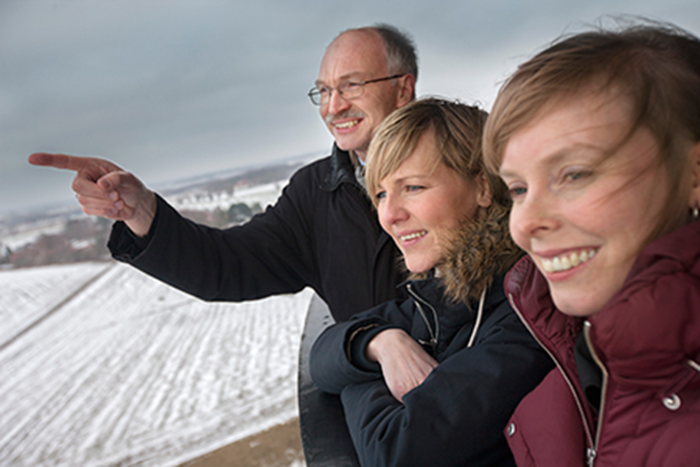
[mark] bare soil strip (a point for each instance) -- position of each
(277, 446)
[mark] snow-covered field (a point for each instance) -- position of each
(101, 365)
(266, 194)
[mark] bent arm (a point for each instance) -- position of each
(329, 363)
(254, 260)
(273, 253)
(338, 358)
(457, 415)
(405, 364)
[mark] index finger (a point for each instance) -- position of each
(59, 161)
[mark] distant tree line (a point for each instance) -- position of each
(222, 218)
(85, 239)
(81, 240)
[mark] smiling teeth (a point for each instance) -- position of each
(564, 263)
(403, 238)
(349, 124)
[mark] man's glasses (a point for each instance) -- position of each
(347, 90)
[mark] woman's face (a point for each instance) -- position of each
(423, 203)
(582, 212)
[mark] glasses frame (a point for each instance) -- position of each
(315, 95)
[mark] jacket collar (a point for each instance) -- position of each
(676, 252)
(530, 289)
(340, 171)
(529, 293)
(432, 290)
(642, 331)
(673, 248)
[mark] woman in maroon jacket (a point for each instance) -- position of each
(598, 140)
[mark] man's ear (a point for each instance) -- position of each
(407, 87)
(484, 198)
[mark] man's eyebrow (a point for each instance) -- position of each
(354, 75)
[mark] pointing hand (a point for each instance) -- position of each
(106, 190)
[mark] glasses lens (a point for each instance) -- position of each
(350, 89)
(315, 96)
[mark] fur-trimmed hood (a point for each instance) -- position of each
(482, 250)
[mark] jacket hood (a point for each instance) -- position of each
(674, 249)
(654, 316)
(482, 250)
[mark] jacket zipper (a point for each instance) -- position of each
(433, 335)
(593, 452)
(590, 451)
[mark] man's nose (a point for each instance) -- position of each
(336, 103)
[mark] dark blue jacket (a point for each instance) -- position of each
(456, 417)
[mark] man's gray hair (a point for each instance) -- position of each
(400, 50)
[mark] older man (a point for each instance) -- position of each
(321, 233)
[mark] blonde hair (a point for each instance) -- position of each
(457, 129)
(653, 67)
(483, 248)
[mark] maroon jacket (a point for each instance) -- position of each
(647, 343)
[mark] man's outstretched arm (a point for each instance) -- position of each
(105, 189)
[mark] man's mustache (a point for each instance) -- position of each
(330, 118)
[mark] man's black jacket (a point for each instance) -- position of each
(323, 233)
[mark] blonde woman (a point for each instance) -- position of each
(433, 380)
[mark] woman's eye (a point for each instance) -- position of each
(413, 188)
(517, 191)
(576, 175)
(380, 195)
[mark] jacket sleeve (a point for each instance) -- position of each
(457, 415)
(270, 254)
(330, 364)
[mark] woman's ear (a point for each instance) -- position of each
(694, 201)
(484, 198)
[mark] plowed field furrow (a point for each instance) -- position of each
(132, 372)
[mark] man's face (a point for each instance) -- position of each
(359, 56)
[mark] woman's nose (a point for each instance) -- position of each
(534, 216)
(391, 211)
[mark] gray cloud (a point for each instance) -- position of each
(173, 89)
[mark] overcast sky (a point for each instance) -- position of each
(171, 89)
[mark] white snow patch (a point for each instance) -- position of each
(266, 194)
(132, 372)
